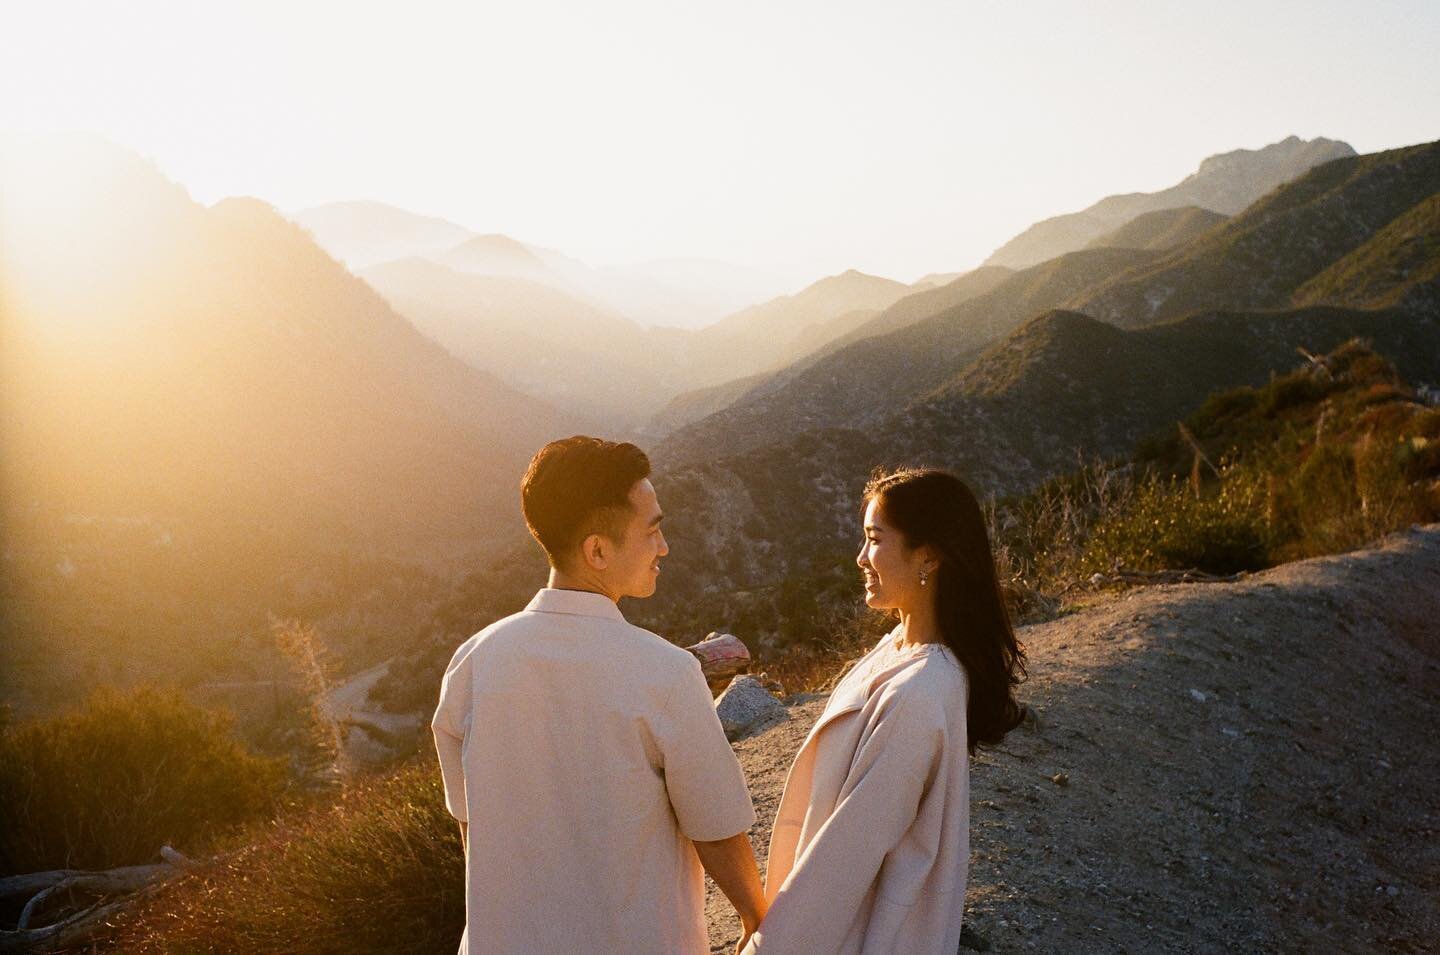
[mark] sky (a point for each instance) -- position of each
(800, 138)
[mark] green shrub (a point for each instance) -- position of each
(128, 772)
(381, 871)
(1165, 525)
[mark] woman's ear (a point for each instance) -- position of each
(929, 559)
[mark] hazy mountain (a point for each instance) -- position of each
(692, 406)
(200, 406)
(497, 255)
(536, 338)
(792, 325)
(1225, 183)
(1163, 229)
(935, 280)
(364, 233)
(898, 366)
(686, 292)
(679, 292)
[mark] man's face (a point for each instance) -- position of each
(635, 563)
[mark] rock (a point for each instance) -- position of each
(1197, 695)
(1061, 779)
(745, 706)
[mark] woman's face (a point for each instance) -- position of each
(891, 567)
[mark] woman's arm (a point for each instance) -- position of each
(893, 765)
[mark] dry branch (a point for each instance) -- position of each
(41, 887)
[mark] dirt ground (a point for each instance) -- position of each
(1248, 767)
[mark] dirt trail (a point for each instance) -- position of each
(1252, 766)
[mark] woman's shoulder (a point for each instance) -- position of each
(930, 679)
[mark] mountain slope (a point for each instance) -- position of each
(1225, 183)
(1160, 230)
(1398, 267)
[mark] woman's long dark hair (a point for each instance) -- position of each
(934, 507)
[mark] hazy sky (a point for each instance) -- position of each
(802, 137)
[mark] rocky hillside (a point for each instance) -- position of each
(1225, 183)
(1215, 767)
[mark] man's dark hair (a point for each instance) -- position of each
(580, 486)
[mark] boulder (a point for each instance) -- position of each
(746, 706)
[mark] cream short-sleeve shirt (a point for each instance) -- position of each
(585, 755)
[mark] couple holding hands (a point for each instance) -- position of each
(584, 761)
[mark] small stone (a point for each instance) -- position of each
(745, 706)
(1197, 695)
(1061, 779)
(1392, 890)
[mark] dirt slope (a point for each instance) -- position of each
(1252, 766)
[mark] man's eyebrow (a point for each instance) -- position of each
(657, 519)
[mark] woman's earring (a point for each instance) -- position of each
(924, 577)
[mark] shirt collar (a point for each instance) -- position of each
(577, 602)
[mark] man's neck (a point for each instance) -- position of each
(561, 580)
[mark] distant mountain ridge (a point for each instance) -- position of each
(1259, 259)
(683, 293)
(1225, 183)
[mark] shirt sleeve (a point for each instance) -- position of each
(449, 725)
(895, 763)
(702, 776)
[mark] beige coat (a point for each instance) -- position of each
(872, 838)
(586, 755)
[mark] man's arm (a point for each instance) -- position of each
(731, 863)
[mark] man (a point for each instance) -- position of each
(581, 755)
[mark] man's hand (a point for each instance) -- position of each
(731, 863)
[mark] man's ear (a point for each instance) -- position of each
(595, 551)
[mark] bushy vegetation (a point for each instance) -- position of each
(380, 871)
(126, 773)
(1322, 460)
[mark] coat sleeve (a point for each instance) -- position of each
(894, 765)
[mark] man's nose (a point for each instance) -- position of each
(664, 546)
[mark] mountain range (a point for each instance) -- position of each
(1082, 355)
(1225, 183)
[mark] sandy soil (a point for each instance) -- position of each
(1248, 767)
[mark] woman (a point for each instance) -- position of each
(871, 841)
